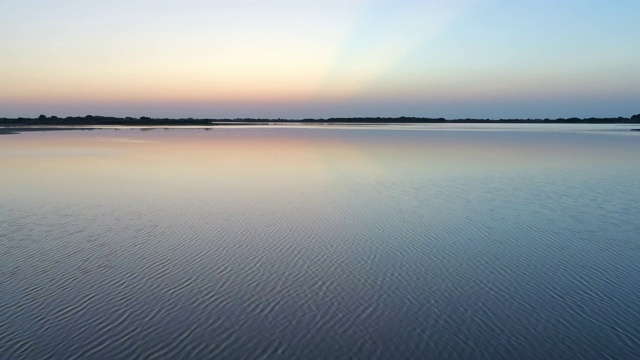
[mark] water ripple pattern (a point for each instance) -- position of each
(320, 243)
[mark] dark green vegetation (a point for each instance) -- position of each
(91, 120)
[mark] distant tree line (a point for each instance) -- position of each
(94, 120)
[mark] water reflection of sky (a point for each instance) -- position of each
(418, 242)
(259, 157)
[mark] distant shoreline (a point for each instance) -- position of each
(91, 120)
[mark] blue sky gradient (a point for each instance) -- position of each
(297, 59)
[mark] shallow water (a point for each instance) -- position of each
(426, 242)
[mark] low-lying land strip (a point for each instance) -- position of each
(92, 120)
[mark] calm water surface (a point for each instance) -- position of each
(425, 242)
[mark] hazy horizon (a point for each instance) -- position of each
(307, 59)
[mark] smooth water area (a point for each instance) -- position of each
(321, 242)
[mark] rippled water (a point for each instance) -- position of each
(426, 242)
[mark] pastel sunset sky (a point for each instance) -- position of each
(320, 58)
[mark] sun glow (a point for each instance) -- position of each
(302, 56)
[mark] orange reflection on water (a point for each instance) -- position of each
(233, 161)
(267, 161)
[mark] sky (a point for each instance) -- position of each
(320, 58)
